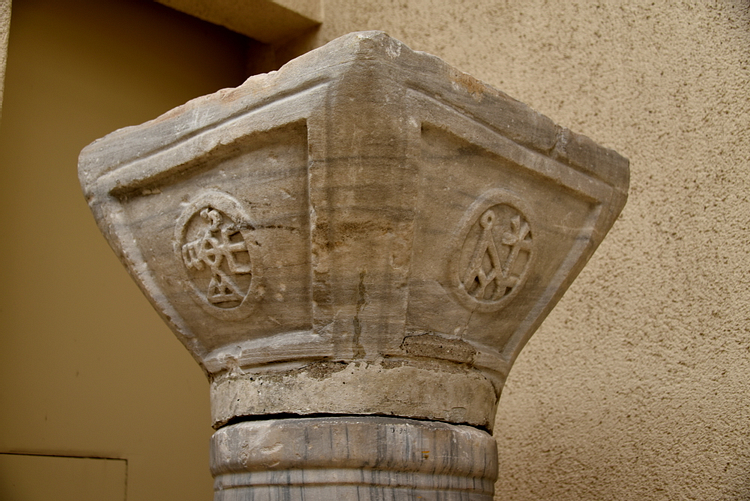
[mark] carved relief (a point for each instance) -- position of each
(214, 242)
(496, 254)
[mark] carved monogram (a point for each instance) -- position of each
(220, 248)
(214, 242)
(495, 257)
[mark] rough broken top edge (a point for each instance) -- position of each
(578, 151)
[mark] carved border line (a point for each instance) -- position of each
(161, 162)
(439, 113)
(159, 165)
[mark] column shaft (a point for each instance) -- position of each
(346, 458)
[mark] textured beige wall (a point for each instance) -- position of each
(87, 368)
(636, 387)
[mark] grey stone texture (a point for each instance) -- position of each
(365, 231)
(363, 458)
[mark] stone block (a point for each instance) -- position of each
(365, 231)
(363, 458)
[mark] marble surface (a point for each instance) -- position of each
(366, 231)
(362, 458)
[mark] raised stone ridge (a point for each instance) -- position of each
(502, 113)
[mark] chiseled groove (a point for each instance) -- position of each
(306, 86)
(446, 102)
(526, 143)
(589, 184)
(140, 172)
(419, 481)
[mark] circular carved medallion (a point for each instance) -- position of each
(496, 254)
(214, 243)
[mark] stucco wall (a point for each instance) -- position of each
(636, 387)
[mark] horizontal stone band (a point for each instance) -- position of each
(430, 390)
(353, 477)
(352, 457)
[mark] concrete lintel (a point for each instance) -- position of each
(268, 21)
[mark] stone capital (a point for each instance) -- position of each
(365, 231)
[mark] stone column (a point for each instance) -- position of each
(355, 249)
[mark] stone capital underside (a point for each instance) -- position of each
(365, 231)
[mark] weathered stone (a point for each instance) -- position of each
(364, 458)
(366, 231)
